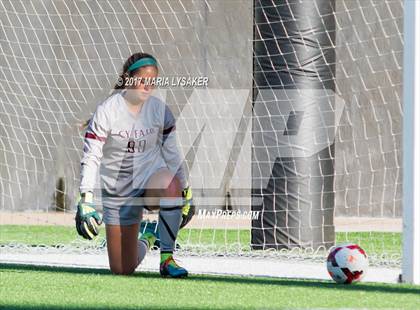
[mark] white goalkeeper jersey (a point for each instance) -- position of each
(126, 149)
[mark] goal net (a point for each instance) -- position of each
(294, 144)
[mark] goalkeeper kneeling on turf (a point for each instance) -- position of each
(131, 142)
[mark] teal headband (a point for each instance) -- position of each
(142, 62)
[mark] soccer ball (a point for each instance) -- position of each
(347, 263)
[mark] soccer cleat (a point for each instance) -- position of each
(169, 268)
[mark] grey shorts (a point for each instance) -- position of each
(123, 211)
(125, 215)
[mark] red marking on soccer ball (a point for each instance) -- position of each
(347, 263)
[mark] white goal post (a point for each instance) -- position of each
(411, 245)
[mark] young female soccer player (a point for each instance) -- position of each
(130, 141)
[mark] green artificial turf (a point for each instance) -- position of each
(376, 243)
(26, 287)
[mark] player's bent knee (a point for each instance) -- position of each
(174, 188)
(162, 184)
(171, 203)
(167, 183)
(121, 271)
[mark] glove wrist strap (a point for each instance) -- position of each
(87, 197)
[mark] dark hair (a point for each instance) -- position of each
(125, 74)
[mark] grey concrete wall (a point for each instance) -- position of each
(59, 59)
(369, 79)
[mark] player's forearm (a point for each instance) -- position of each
(90, 165)
(95, 137)
(88, 173)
